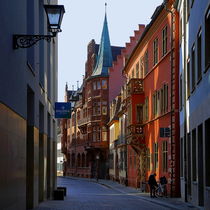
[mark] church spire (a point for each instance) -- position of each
(104, 59)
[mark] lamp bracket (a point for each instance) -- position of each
(26, 41)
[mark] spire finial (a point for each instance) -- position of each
(66, 87)
(105, 6)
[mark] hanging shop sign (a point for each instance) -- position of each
(62, 110)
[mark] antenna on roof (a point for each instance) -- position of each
(66, 87)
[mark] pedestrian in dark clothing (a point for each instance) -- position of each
(153, 184)
(163, 182)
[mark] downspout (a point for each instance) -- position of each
(172, 110)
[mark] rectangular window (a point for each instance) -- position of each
(201, 163)
(161, 100)
(164, 99)
(146, 63)
(189, 164)
(164, 41)
(104, 84)
(104, 110)
(155, 51)
(194, 159)
(188, 78)
(199, 57)
(139, 114)
(94, 133)
(104, 136)
(207, 39)
(99, 85)
(141, 67)
(193, 68)
(147, 159)
(96, 108)
(158, 103)
(153, 104)
(156, 155)
(146, 109)
(165, 155)
(137, 70)
(207, 149)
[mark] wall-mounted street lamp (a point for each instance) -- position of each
(54, 19)
(97, 157)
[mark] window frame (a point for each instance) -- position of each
(155, 51)
(199, 56)
(164, 40)
(156, 155)
(104, 86)
(146, 62)
(193, 69)
(207, 39)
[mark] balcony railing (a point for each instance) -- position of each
(83, 120)
(135, 137)
(135, 86)
(135, 129)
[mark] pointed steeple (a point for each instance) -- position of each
(104, 58)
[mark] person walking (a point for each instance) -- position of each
(153, 184)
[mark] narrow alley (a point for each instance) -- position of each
(87, 194)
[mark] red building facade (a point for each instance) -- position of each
(152, 102)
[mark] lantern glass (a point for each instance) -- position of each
(54, 16)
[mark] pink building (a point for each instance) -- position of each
(116, 79)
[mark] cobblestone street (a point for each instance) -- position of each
(87, 194)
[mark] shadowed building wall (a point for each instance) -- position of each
(28, 90)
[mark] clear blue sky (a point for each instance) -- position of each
(83, 21)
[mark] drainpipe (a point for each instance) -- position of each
(172, 110)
